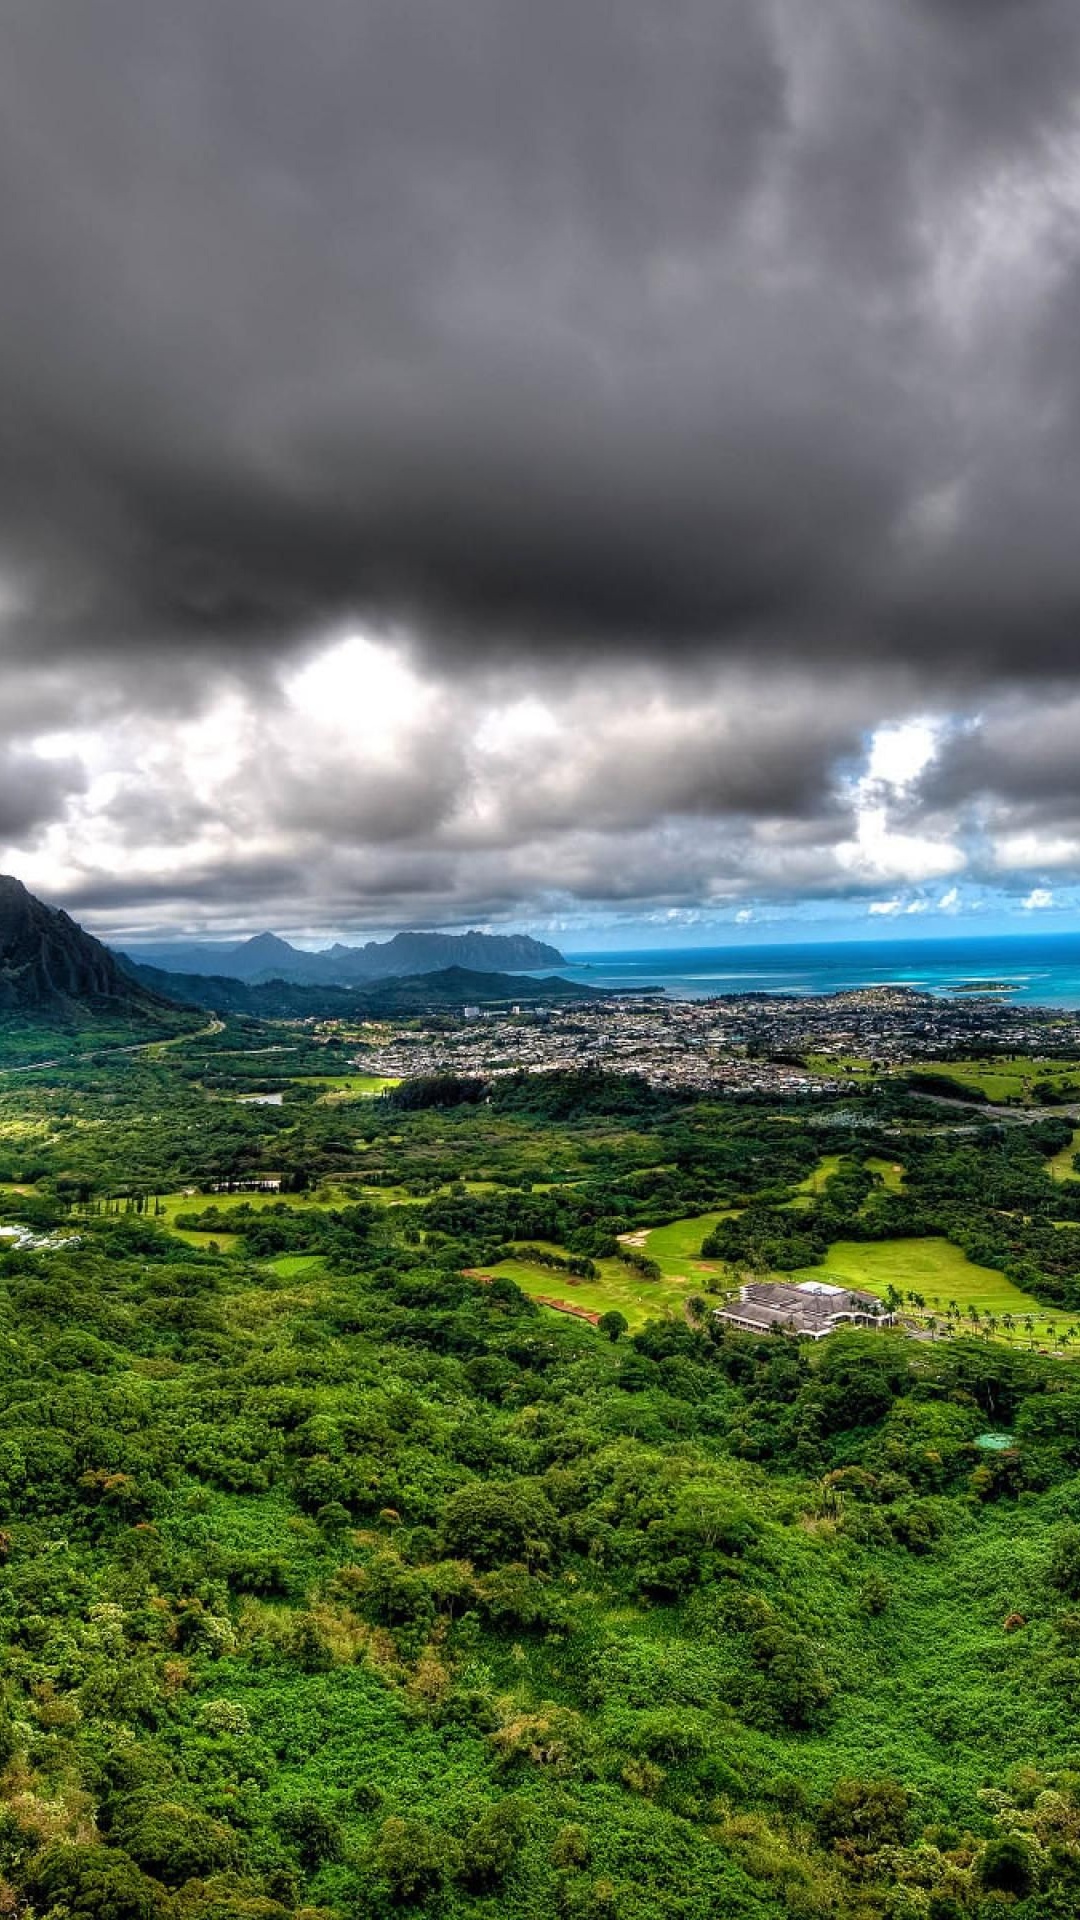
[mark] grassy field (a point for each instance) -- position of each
(676, 1248)
(846, 1066)
(173, 1203)
(890, 1172)
(343, 1193)
(941, 1273)
(1011, 1079)
(334, 1087)
(291, 1265)
(814, 1182)
(1061, 1166)
(936, 1269)
(637, 1299)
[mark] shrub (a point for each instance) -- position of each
(570, 1847)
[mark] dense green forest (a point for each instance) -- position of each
(340, 1579)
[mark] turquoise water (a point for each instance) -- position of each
(1041, 970)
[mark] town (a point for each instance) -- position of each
(743, 1043)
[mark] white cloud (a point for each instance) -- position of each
(950, 901)
(1038, 898)
(899, 754)
(897, 758)
(878, 852)
(1020, 850)
(885, 906)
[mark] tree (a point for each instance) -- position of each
(613, 1324)
(492, 1522)
(571, 1847)
(860, 1816)
(413, 1858)
(1006, 1866)
(175, 1843)
(1065, 1562)
(316, 1835)
(95, 1883)
(492, 1841)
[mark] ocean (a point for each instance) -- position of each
(1038, 969)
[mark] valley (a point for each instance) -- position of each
(389, 1523)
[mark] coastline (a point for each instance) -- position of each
(1035, 970)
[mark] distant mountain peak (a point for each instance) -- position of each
(267, 957)
(265, 943)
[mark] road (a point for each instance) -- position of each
(103, 1053)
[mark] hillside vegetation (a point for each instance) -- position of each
(340, 1579)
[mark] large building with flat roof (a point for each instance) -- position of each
(811, 1308)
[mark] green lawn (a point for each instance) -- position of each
(291, 1265)
(1061, 1166)
(345, 1086)
(1009, 1079)
(936, 1269)
(677, 1247)
(174, 1203)
(941, 1273)
(814, 1182)
(891, 1173)
(846, 1066)
(617, 1287)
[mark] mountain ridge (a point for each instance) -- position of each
(266, 957)
(447, 988)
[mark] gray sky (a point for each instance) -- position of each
(570, 465)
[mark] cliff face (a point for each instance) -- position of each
(48, 965)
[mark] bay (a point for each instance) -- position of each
(1036, 969)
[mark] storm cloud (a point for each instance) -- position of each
(472, 459)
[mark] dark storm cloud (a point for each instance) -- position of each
(33, 792)
(1020, 753)
(705, 377)
(534, 327)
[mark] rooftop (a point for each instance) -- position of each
(810, 1307)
